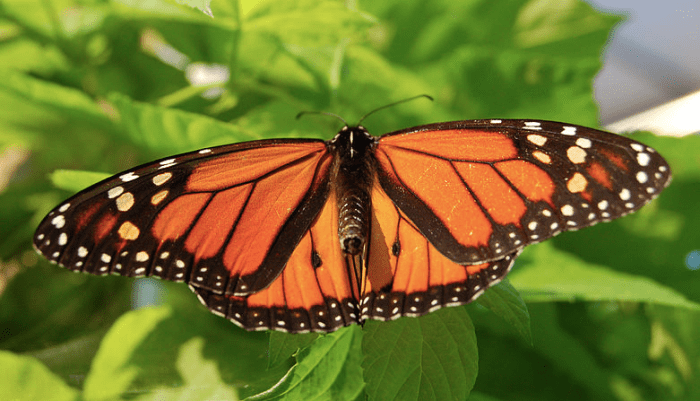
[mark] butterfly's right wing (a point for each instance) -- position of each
(408, 276)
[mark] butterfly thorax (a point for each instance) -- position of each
(353, 174)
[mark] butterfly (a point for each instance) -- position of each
(301, 235)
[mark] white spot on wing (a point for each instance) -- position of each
(577, 183)
(636, 146)
(58, 221)
(162, 178)
(157, 198)
(567, 210)
(541, 156)
(568, 130)
(532, 125)
(114, 192)
(538, 140)
(625, 194)
(576, 155)
(584, 143)
(643, 159)
(642, 177)
(130, 176)
(128, 231)
(125, 201)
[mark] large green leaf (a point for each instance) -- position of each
(111, 375)
(23, 373)
(555, 276)
(327, 369)
(430, 358)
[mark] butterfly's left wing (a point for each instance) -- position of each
(315, 292)
(480, 190)
(224, 219)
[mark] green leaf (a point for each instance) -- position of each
(324, 22)
(433, 357)
(202, 5)
(674, 348)
(567, 353)
(169, 10)
(171, 130)
(68, 101)
(23, 210)
(509, 60)
(505, 301)
(555, 276)
(25, 378)
(283, 345)
(75, 180)
(111, 374)
(26, 55)
(328, 369)
(382, 83)
(202, 380)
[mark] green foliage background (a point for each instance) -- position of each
(608, 313)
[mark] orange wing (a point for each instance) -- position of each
(225, 219)
(315, 292)
(404, 276)
(480, 190)
(408, 276)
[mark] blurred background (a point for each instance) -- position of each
(652, 58)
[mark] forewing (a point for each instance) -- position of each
(479, 190)
(224, 219)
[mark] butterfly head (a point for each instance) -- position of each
(352, 143)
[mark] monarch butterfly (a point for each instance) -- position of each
(303, 235)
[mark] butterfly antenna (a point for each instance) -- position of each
(394, 104)
(325, 113)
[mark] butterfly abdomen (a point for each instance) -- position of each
(354, 171)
